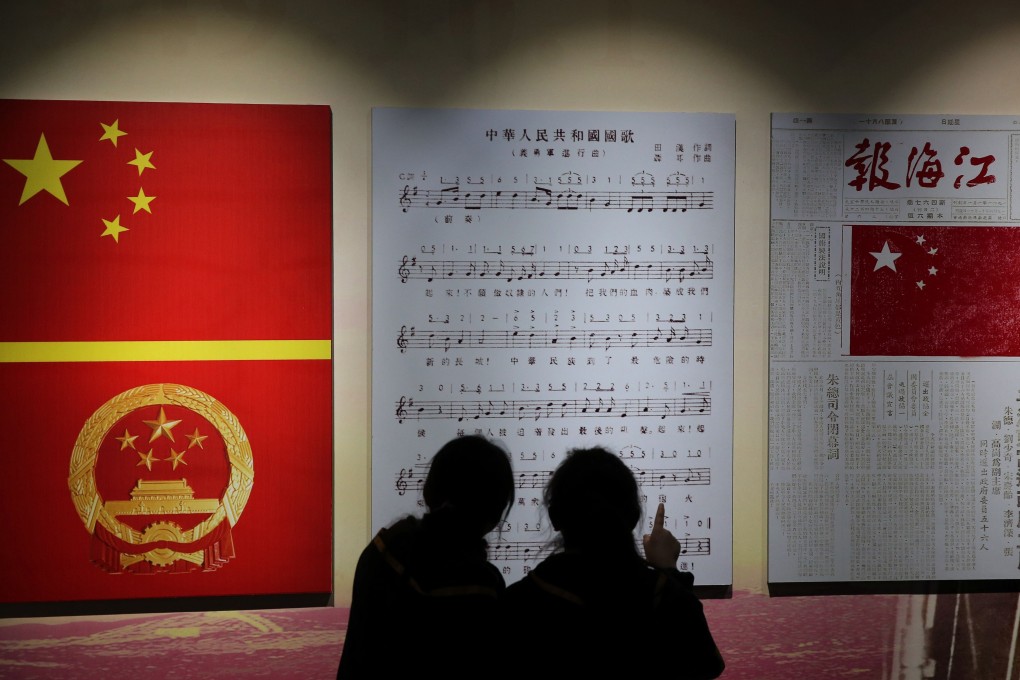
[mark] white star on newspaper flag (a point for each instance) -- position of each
(885, 258)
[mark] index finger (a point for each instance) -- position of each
(660, 517)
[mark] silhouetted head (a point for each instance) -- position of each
(593, 500)
(470, 480)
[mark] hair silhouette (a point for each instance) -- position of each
(471, 481)
(592, 500)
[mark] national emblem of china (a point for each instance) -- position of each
(160, 475)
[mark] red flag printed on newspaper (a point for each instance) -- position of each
(165, 361)
(934, 291)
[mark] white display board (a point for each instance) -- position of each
(555, 280)
(894, 336)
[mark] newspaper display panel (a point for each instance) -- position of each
(894, 335)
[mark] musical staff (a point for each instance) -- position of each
(689, 404)
(414, 478)
(530, 270)
(661, 478)
(695, 546)
(564, 198)
(411, 477)
(650, 477)
(670, 336)
(518, 550)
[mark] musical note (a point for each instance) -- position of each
(695, 546)
(517, 550)
(453, 191)
(677, 201)
(641, 202)
(662, 478)
(533, 480)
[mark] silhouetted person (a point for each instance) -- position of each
(596, 608)
(425, 596)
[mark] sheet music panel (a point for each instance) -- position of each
(555, 280)
(894, 380)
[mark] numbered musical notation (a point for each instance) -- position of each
(543, 198)
(670, 336)
(414, 268)
(689, 404)
(507, 551)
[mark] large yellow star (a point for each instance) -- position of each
(113, 228)
(112, 132)
(141, 201)
(161, 426)
(142, 161)
(42, 173)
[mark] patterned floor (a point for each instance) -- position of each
(761, 638)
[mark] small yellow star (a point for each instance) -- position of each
(42, 173)
(141, 202)
(112, 132)
(142, 161)
(177, 457)
(196, 439)
(113, 229)
(127, 440)
(161, 426)
(146, 459)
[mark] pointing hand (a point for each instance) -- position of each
(661, 548)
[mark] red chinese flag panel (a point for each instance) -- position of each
(140, 221)
(165, 356)
(934, 291)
